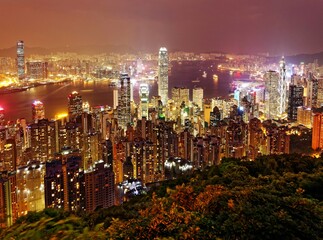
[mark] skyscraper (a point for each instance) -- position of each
(21, 59)
(99, 186)
(317, 132)
(320, 93)
(198, 96)
(115, 98)
(75, 106)
(180, 95)
(272, 95)
(144, 99)
(163, 75)
(38, 111)
(124, 114)
(312, 91)
(295, 100)
(282, 87)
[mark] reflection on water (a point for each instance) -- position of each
(54, 97)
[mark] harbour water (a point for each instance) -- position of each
(184, 74)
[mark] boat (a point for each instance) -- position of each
(196, 81)
(215, 77)
(204, 74)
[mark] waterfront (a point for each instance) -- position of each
(184, 74)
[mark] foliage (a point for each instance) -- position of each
(274, 197)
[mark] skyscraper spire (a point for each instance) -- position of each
(163, 75)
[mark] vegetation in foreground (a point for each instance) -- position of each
(274, 197)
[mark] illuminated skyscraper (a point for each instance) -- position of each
(282, 87)
(319, 93)
(99, 186)
(115, 98)
(317, 131)
(180, 95)
(198, 96)
(312, 92)
(163, 75)
(272, 95)
(38, 111)
(144, 100)
(304, 116)
(295, 100)
(124, 114)
(75, 106)
(42, 140)
(21, 59)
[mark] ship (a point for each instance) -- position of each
(196, 81)
(215, 77)
(204, 74)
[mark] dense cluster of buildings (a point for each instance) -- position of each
(94, 157)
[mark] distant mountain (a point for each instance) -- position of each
(307, 58)
(97, 49)
(297, 59)
(90, 49)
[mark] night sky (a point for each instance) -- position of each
(240, 26)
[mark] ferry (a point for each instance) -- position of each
(204, 74)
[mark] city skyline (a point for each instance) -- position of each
(244, 27)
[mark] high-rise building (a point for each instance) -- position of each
(272, 95)
(144, 100)
(99, 187)
(198, 96)
(8, 199)
(21, 59)
(38, 111)
(115, 98)
(295, 100)
(30, 187)
(320, 93)
(8, 157)
(43, 140)
(124, 110)
(75, 106)
(180, 95)
(304, 116)
(37, 69)
(317, 131)
(140, 66)
(64, 183)
(163, 75)
(312, 92)
(282, 87)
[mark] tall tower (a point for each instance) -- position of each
(163, 75)
(38, 111)
(198, 96)
(282, 87)
(317, 131)
(295, 100)
(124, 114)
(272, 94)
(115, 98)
(75, 106)
(21, 59)
(144, 99)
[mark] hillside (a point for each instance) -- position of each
(274, 197)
